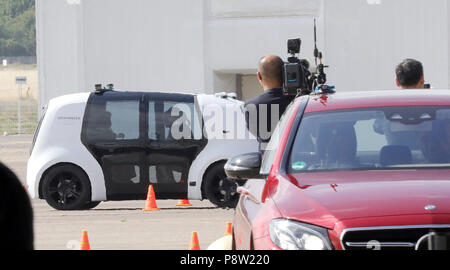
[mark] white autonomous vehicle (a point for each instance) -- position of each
(110, 145)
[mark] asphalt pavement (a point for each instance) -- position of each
(116, 225)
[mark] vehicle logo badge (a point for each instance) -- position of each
(430, 207)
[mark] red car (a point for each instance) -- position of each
(367, 170)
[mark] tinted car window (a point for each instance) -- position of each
(124, 118)
(395, 137)
(113, 120)
(271, 149)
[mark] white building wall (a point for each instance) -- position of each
(144, 45)
(238, 33)
(200, 45)
(138, 45)
(364, 42)
(58, 49)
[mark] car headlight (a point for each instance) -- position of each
(293, 235)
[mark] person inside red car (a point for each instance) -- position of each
(435, 145)
(431, 149)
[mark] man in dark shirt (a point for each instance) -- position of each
(16, 215)
(264, 112)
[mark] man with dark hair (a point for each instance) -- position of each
(410, 75)
(16, 215)
(263, 112)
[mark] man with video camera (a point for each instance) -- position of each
(263, 112)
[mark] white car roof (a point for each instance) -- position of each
(69, 99)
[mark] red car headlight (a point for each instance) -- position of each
(293, 235)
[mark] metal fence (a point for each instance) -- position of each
(18, 117)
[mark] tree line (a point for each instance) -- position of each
(17, 28)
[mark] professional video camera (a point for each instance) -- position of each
(297, 79)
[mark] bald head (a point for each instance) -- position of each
(270, 71)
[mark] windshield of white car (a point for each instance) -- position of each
(371, 139)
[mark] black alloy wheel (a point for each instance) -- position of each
(67, 187)
(219, 189)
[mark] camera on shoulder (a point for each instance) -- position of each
(296, 73)
(297, 78)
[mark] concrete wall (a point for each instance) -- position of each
(367, 38)
(144, 45)
(162, 45)
(238, 33)
(58, 49)
(134, 44)
(201, 45)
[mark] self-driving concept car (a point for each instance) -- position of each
(111, 145)
(354, 171)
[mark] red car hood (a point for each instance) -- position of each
(325, 198)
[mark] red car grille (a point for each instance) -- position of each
(394, 238)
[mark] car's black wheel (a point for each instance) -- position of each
(67, 187)
(219, 189)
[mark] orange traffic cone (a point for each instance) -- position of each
(183, 203)
(194, 245)
(229, 229)
(84, 243)
(150, 204)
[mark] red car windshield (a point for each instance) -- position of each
(375, 138)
